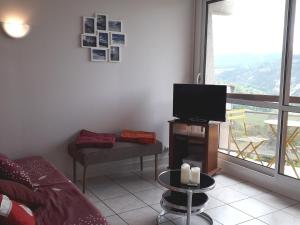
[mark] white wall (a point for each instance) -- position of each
(49, 89)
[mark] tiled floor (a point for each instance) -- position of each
(133, 198)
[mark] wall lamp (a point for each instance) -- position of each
(15, 28)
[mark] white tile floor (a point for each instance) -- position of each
(133, 198)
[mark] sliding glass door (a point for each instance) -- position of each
(249, 47)
(295, 70)
(289, 160)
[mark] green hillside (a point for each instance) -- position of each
(255, 74)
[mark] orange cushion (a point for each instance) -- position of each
(142, 137)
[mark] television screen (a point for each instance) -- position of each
(197, 102)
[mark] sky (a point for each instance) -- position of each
(253, 27)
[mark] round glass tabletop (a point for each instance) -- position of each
(171, 179)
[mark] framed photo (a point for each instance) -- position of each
(115, 54)
(102, 39)
(98, 55)
(101, 22)
(88, 41)
(117, 39)
(115, 25)
(88, 25)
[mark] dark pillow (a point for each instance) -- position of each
(21, 193)
(12, 171)
(90, 139)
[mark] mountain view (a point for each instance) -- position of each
(255, 74)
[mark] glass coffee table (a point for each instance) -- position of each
(184, 199)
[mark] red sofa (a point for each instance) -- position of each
(65, 204)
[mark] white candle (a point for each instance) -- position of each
(185, 173)
(195, 175)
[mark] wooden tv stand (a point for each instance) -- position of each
(194, 138)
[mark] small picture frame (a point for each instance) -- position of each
(88, 25)
(98, 55)
(117, 39)
(103, 39)
(115, 25)
(101, 22)
(88, 41)
(115, 54)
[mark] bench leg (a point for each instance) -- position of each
(74, 171)
(156, 166)
(84, 179)
(141, 163)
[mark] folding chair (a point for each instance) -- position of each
(238, 117)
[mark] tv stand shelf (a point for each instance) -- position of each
(191, 122)
(194, 139)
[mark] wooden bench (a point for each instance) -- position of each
(120, 151)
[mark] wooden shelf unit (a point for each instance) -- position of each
(201, 139)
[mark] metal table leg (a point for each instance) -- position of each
(159, 217)
(206, 217)
(189, 206)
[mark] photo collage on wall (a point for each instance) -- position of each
(103, 37)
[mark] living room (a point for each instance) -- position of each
(47, 99)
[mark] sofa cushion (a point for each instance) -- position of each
(41, 171)
(64, 203)
(14, 213)
(67, 205)
(12, 171)
(21, 193)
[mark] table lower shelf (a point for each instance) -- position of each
(199, 212)
(177, 202)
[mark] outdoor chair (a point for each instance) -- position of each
(238, 134)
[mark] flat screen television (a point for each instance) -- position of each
(199, 103)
